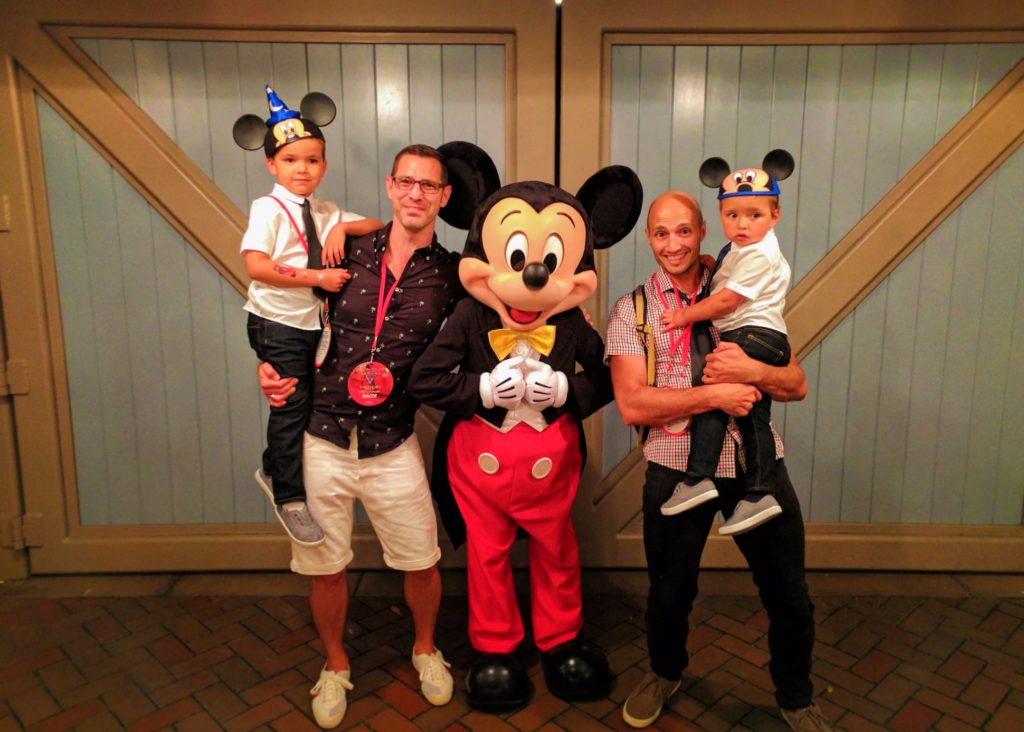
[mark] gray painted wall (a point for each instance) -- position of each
(903, 423)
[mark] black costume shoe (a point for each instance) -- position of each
(497, 681)
(577, 670)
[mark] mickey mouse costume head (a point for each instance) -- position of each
(510, 449)
(777, 165)
(284, 125)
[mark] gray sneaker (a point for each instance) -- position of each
(688, 494)
(808, 719)
(750, 514)
(644, 704)
(299, 523)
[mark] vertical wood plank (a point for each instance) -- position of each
(176, 346)
(853, 119)
(392, 102)
(458, 82)
(224, 102)
(654, 130)
(721, 106)
(110, 332)
(959, 70)
(624, 150)
(862, 409)
(363, 178)
(961, 354)
(191, 118)
(213, 410)
(140, 264)
(789, 89)
(833, 393)
(818, 151)
(755, 105)
(490, 103)
(67, 228)
(921, 109)
(324, 61)
(117, 58)
(686, 144)
(938, 502)
(426, 123)
(152, 63)
(888, 93)
(255, 69)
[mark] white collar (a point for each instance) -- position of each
(283, 193)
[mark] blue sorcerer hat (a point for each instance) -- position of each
(764, 181)
(284, 125)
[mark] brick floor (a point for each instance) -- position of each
(885, 661)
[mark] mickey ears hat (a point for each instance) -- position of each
(777, 165)
(284, 125)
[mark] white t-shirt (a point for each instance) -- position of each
(761, 274)
(272, 233)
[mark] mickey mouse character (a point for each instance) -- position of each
(511, 446)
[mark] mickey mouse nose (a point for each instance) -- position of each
(535, 276)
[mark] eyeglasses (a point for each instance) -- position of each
(405, 183)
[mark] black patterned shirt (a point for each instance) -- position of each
(426, 294)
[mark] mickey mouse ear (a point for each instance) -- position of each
(779, 164)
(713, 172)
(472, 176)
(249, 131)
(612, 197)
(318, 108)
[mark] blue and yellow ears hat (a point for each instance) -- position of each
(764, 181)
(284, 125)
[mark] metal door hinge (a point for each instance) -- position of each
(18, 531)
(14, 377)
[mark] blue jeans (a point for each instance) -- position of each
(707, 430)
(774, 553)
(290, 351)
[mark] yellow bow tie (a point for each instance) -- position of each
(503, 340)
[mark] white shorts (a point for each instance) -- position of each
(394, 491)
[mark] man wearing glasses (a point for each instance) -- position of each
(360, 442)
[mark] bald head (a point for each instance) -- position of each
(675, 197)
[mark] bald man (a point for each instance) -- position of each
(730, 381)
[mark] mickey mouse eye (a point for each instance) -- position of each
(749, 176)
(553, 249)
(515, 251)
(737, 178)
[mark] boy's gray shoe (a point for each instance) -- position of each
(808, 719)
(644, 704)
(299, 523)
(688, 495)
(750, 514)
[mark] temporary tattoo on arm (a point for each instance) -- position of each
(285, 270)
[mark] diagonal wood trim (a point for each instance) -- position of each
(137, 147)
(907, 214)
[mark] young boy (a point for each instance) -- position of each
(748, 295)
(286, 261)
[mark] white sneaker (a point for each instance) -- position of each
(329, 702)
(435, 679)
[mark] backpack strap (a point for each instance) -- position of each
(646, 334)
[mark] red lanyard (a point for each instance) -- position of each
(298, 231)
(382, 304)
(684, 333)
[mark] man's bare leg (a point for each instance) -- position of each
(328, 600)
(423, 596)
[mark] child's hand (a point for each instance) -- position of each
(334, 248)
(333, 279)
(674, 319)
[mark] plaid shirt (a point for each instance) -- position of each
(670, 451)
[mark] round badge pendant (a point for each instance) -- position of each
(678, 427)
(370, 383)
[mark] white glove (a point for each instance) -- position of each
(504, 387)
(545, 387)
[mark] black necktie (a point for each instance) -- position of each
(312, 240)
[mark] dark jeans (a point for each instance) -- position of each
(707, 430)
(290, 351)
(775, 554)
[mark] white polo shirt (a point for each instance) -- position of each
(272, 233)
(761, 274)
